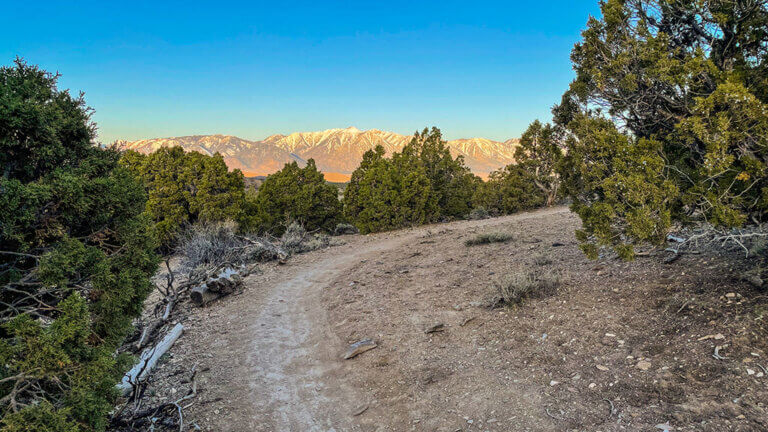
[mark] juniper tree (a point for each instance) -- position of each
(296, 194)
(452, 182)
(389, 193)
(667, 119)
(540, 154)
(76, 255)
(509, 190)
(187, 187)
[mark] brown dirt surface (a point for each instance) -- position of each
(617, 347)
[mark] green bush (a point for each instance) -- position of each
(421, 184)
(76, 256)
(188, 187)
(385, 194)
(667, 120)
(509, 190)
(296, 194)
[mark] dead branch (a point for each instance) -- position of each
(149, 359)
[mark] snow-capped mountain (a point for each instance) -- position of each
(336, 151)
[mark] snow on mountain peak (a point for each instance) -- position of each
(334, 150)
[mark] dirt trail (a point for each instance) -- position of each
(620, 346)
(297, 379)
(271, 355)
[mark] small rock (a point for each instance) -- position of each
(718, 336)
(359, 347)
(592, 385)
(665, 427)
(360, 410)
(643, 365)
(750, 371)
(553, 383)
(435, 328)
(730, 295)
(602, 368)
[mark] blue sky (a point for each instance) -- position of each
(253, 69)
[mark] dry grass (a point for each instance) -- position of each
(296, 239)
(210, 244)
(487, 238)
(517, 287)
(542, 260)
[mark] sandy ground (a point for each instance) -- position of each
(620, 346)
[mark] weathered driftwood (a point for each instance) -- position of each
(224, 283)
(149, 359)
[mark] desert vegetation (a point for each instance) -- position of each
(300, 195)
(76, 258)
(488, 238)
(515, 288)
(660, 145)
(665, 123)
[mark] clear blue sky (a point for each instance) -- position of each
(253, 69)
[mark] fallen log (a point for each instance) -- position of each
(225, 283)
(148, 360)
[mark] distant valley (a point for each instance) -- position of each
(337, 152)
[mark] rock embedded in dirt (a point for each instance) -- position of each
(435, 328)
(643, 365)
(361, 409)
(359, 347)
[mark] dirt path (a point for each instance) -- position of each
(270, 356)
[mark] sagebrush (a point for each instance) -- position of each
(515, 288)
(487, 238)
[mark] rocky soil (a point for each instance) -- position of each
(618, 346)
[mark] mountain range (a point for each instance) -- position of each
(337, 152)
